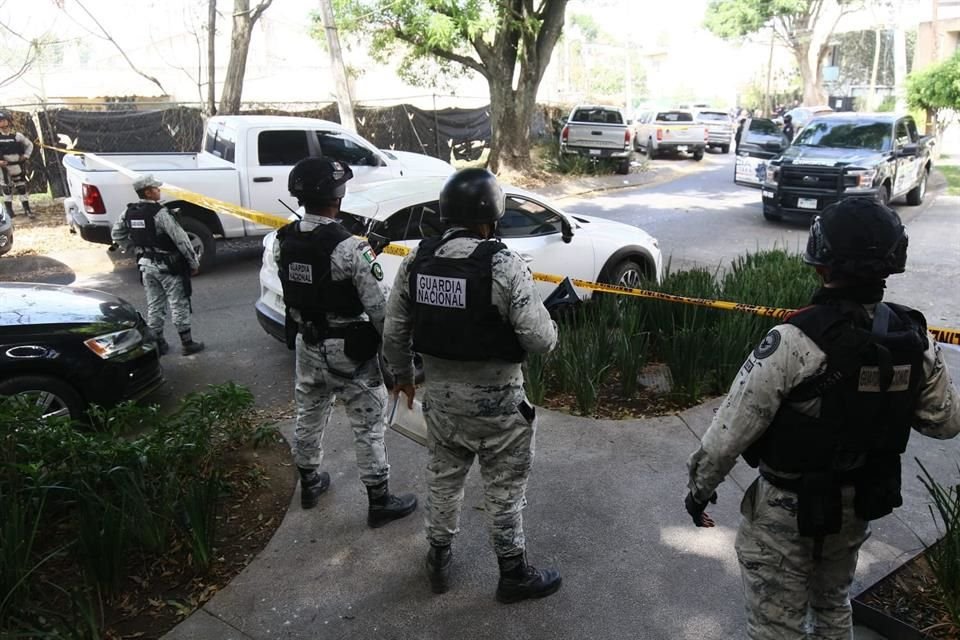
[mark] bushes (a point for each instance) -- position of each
(95, 500)
(615, 336)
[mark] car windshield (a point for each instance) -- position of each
(845, 134)
(714, 116)
(674, 116)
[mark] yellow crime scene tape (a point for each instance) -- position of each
(943, 335)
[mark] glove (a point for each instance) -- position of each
(696, 509)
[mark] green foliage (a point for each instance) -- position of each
(102, 499)
(937, 89)
(944, 555)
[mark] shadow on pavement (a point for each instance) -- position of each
(36, 268)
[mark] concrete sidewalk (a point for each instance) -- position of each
(605, 507)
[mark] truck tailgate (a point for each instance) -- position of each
(596, 135)
(685, 134)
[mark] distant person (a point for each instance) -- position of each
(332, 288)
(166, 260)
(824, 406)
(738, 134)
(15, 150)
(788, 127)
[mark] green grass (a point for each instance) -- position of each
(952, 174)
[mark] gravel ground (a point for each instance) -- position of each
(46, 233)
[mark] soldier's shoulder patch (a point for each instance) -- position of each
(768, 345)
(369, 255)
(377, 271)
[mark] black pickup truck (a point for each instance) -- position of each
(844, 154)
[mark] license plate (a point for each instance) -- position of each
(769, 194)
(682, 148)
(595, 152)
(806, 203)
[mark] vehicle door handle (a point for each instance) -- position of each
(263, 179)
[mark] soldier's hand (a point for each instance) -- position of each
(194, 272)
(408, 390)
(696, 509)
(3, 163)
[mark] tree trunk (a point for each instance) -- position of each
(811, 72)
(211, 57)
(511, 111)
(872, 95)
(337, 67)
(244, 19)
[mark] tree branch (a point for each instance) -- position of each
(120, 49)
(28, 61)
(466, 61)
(550, 30)
(258, 11)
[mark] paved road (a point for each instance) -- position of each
(699, 218)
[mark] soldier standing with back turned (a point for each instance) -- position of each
(15, 150)
(332, 291)
(166, 259)
(824, 405)
(469, 306)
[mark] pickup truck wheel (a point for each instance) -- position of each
(883, 195)
(52, 396)
(698, 155)
(915, 196)
(724, 148)
(624, 167)
(202, 240)
(651, 152)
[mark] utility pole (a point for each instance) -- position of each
(899, 58)
(211, 57)
(767, 109)
(628, 83)
(344, 103)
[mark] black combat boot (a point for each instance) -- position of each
(189, 345)
(312, 485)
(438, 567)
(386, 507)
(519, 580)
(8, 207)
(162, 346)
(26, 208)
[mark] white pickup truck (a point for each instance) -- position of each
(245, 160)
(662, 132)
(597, 132)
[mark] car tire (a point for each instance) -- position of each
(636, 144)
(627, 273)
(202, 240)
(51, 393)
(883, 194)
(698, 154)
(8, 244)
(916, 195)
(724, 148)
(651, 152)
(623, 168)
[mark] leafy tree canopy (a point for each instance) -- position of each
(936, 87)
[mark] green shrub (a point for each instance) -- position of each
(944, 555)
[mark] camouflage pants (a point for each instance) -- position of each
(504, 446)
(162, 289)
(789, 595)
(13, 180)
(323, 373)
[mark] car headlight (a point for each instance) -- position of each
(863, 178)
(773, 175)
(111, 345)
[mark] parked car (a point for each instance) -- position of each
(662, 132)
(874, 154)
(761, 140)
(719, 126)
(245, 160)
(550, 240)
(6, 233)
(66, 348)
(802, 115)
(597, 132)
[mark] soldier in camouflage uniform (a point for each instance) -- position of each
(166, 259)
(15, 150)
(824, 406)
(335, 303)
(469, 306)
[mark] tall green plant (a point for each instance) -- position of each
(944, 555)
(200, 507)
(535, 376)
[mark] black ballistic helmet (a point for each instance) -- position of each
(5, 116)
(471, 196)
(319, 180)
(858, 238)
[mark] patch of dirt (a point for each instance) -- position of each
(613, 405)
(46, 233)
(910, 595)
(159, 592)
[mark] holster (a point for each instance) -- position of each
(290, 331)
(878, 487)
(819, 505)
(361, 341)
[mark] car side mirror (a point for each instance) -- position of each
(908, 150)
(377, 242)
(566, 230)
(564, 120)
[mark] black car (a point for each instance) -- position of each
(6, 233)
(69, 347)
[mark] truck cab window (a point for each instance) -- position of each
(221, 141)
(903, 134)
(283, 148)
(337, 146)
(525, 218)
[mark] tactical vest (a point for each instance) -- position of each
(453, 312)
(141, 222)
(868, 395)
(305, 273)
(9, 145)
